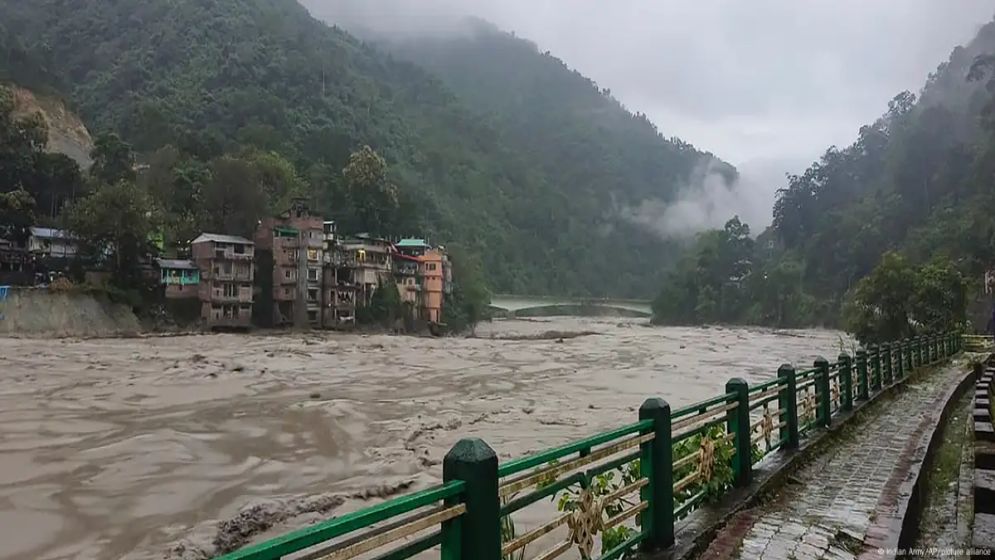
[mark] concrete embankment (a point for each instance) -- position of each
(42, 312)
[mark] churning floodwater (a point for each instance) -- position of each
(169, 446)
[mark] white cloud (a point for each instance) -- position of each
(775, 81)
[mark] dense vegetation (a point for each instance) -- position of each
(917, 181)
(196, 82)
(605, 160)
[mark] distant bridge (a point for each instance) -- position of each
(515, 303)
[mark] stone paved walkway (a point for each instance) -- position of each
(845, 501)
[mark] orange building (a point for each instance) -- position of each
(429, 285)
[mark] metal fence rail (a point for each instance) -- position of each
(627, 487)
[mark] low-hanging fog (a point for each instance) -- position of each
(766, 85)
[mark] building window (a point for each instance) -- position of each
(431, 266)
(230, 290)
(312, 294)
(286, 273)
(312, 274)
(239, 249)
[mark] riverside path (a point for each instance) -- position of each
(845, 502)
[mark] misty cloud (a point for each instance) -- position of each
(764, 84)
(706, 202)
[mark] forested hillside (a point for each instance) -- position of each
(917, 185)
(187, 82)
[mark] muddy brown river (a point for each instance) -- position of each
(166, 447)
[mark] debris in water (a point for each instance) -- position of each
(315, 395)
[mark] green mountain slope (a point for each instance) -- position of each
(211, 76)
(917, 182)
(558, 116)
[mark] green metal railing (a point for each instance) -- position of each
(628, 486)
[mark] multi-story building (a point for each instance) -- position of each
(430, 282)
(407, 275)
(226, 274)
(290, 251)
(338, 282)
(366, 262)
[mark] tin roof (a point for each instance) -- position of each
(221, 238)
(413, 242)
(178, 264)
(48, 233)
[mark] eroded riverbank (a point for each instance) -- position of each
(138, 448)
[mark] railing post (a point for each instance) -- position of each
(738, 422)
(876, 365)
(932, 349)
(886, 363)
(910, 353)
(787, 400)
(862, 392)
(475, 463)
(899, 360)
(822, 388)
(846, 381)
(656, 464)
(922, 350)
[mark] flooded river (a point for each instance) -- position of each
(151, 447)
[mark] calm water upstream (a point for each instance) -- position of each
(139, 448)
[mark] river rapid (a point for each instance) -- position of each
(168, 447)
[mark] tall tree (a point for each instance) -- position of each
(373, 198)
(113, 226)
(113, 159)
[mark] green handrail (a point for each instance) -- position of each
(461, 516)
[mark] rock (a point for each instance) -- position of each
(984, 531)
(984, 491)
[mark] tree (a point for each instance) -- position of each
(469, 299)
(372, 196)
(880, 307)
(113, 226)
(113, 160)
(939, 300)
(234, 201)
(21, 140)
(17, 214)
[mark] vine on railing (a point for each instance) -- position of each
(617, 491)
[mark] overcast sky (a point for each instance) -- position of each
(767, 85)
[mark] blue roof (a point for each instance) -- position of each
(412, 242)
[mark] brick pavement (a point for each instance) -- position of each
(844, 501)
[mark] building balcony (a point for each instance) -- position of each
(220, 297)
(229, 276)
(231, 255)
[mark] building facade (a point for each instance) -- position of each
(51, 243)
(432, 278)
(338, 282)
(291, 257)
(180, 279)
(225, 289)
